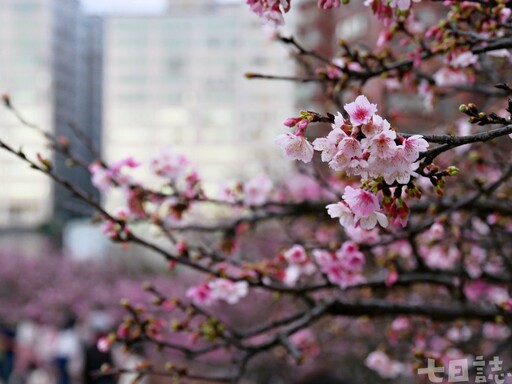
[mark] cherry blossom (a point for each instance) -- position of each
(328, 4)
(296, 255)
(402, 5)
(350, 257)
(299, 264)
(101, 177)
(342, 211)
(256, 190)
(201, 295)
(329, 145)
(383, 365)
(342, 267)
(462, 59)
(360, 111)
(270, 11)
(447, 77)
(413, 146)
(227, 290)
(365, 207)
(104, 178)
(375, 126)
(169, 164)
(382, 145)
(296, 147)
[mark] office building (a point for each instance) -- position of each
(177, 80)
(43, 45)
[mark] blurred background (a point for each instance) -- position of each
(134, 76)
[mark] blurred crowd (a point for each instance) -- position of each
(35, 352)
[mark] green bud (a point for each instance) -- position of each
(452, 170)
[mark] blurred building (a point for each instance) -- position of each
(177, 80)
(50, 65)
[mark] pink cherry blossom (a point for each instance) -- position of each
(401, 324)
(128, 162)
(402, 5)
(227, 290)
(103, 344)
(299, 264)
(256, 190)
(339, 121)
(413, 146)
(270, 11)
(296, 255)
(329, 145)
(291, 275)
(495, 331)
(343, 212)
(296, 147)
(396, 168)
(340, 161)
(350, 257)
(350, 147)
(439, 257)
(365, 206)
(360, 111)
(463, 59)
(448, 77)
(375, 126)
(169, 164)
(337, 274)
(357, 167)
(328, 4)
(101, 177)
(322, 256)
(383, 365)
(382, 145)
(293, 272)
(361, 202)
(201, 295)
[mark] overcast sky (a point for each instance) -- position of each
(133, 6)
(124, 6)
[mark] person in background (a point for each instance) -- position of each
(7, 336)
(100, 324)
(67, 350)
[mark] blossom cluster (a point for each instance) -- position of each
(363, 145)
(342, 267)
(299, 264)
(104, 177)
(270, 11)
(381, 363)
(217, 290)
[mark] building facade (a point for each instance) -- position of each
(177, 80)
(42, 47)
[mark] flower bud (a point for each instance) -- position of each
(452, 170)
(125, 303)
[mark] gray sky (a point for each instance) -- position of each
(124, 6)
(133, 6)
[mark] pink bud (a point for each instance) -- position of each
(291, 121)
(391, 278)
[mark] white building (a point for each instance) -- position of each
(42, 47)
(177, 80)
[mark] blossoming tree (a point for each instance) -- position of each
(395, 237)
